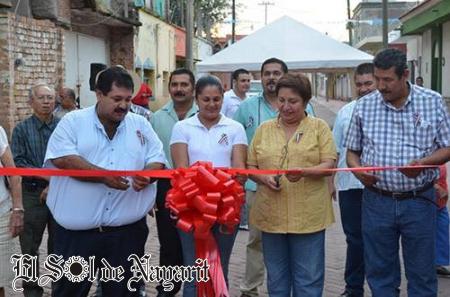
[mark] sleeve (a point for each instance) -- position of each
(310, 110)
(443, 132)
(327, 148)
(155, 152)
(19, 148)
(63, 141)
(224, 108)
(152, 120)
(3, 141)
(252, 158)
(353, 139)
(239, 136)
(338, 132)
(239, 115)
(178, 134)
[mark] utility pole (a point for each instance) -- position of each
(349, 24)
(385, 24)
(189, 34)
(233, 21)
(266, 3)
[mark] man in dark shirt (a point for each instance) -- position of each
(29, 143)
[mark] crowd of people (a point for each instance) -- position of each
(392, 123)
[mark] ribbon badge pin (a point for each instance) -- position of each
(223, 139)
(141, 137)
(417, 119)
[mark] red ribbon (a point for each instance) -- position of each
(201, 197)
(168, 173)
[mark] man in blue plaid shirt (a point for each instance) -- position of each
(399, 124)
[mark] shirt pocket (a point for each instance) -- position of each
(423, 137)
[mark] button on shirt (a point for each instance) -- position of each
(389, 136)
(163, 121)
(214, 145)
(231, 103)
(344, 180)
(78, 205)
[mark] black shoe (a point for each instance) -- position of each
(347, 294)
(442, 271)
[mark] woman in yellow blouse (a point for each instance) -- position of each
(293, 210)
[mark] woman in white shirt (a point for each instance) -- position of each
(11, 214)
(208, 136)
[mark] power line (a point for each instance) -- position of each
(266, 3)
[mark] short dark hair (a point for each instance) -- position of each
(238, 72)
(419, 77)
(364, 68)
(277, 61)
(391, 57)
(208, 80)
(298, 83)
(113, 75)
(180, 71)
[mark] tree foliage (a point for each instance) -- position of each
(207, 13)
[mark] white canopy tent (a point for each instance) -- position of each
(301, 47)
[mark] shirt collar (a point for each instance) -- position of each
(233, 95)
(408, 99)
(169, 108)
(264, 101)
(222, 122)
(40, 124)
(99, 124)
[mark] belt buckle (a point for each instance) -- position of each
(397, 195)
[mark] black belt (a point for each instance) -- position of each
(34, 183)
(401, 195)
(103, 229)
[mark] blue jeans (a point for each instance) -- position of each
(385, 221)
(295, 263)
(442, 238)
(225, 243)
(350, 205)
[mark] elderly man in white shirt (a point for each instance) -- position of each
(233, 97)
(103, 216)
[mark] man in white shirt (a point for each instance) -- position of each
(350, 189)
(103, 216)
(233, 97)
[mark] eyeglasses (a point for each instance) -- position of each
(283, 158)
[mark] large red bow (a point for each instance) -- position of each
(202, 196)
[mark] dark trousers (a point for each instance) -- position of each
(115, 246)
(36, 218)
(350, 202)
(170, 251)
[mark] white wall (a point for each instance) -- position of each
(426, 58)
(446, 56)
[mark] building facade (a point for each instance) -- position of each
(55, 42)
(367, 21)
(429, 51)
